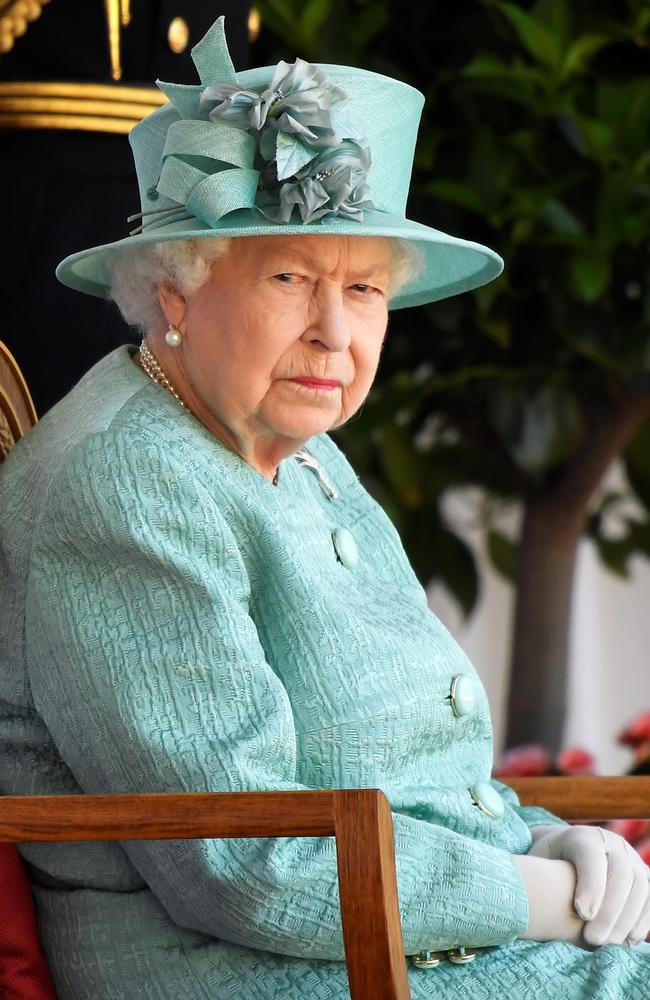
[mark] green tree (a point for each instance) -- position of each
(534, 140)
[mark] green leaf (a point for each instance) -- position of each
(498, 330)
(561, 219)
(522, 230)
(456, 192)
(292, 155)
(556, 16)
(610, 499)
(521, 92)
(312, 16)
(503, 554)
(591, 274)
(639, 535)
(612, 205)
(538, 40)
(625, 108)
(278, 15)
(401, 464)
(585, 343)
(615, 553)
(598, 136)
(368, 24)
(484, 169)
(581, 51)
(486, 64)
(457, 567)
(588, 136)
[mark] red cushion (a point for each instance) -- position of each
(24, 974)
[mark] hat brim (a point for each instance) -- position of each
(451, 265)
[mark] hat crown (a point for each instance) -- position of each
(385, 114)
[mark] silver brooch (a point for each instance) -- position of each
(305, 458)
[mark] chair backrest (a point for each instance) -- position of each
(17, 410)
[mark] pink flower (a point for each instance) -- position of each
(637, 732)
(573, 760)
(632, 829)
(644, 850)
(526, 761)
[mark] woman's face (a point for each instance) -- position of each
(277, 309)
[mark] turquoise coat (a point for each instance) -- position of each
(173, 621)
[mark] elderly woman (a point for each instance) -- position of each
(198, 593)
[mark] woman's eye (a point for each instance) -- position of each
(285, 277)
(365, 289)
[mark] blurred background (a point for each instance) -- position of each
(508, 432)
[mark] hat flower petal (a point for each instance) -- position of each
(334, 181)
(300, 98)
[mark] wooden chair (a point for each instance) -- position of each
(588, 799)
(17, 411)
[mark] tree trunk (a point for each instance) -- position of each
(553, 523)
(547, 555)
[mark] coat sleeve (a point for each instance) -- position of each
(149, 674)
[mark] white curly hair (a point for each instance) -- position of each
(185, 264)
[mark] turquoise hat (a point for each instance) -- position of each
(292, 149)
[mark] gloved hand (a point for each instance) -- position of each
(612, 893)
(550, 886)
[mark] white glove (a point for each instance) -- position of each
(612, 893)
(550, 887)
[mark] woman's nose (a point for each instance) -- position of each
(329, 322)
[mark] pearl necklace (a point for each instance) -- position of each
(151, 368)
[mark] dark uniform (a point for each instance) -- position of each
(66, 170)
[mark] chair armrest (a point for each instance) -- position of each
(360, 819)
(587, 798)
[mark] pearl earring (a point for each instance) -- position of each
(173, 336)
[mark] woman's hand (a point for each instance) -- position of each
(550, 886)
(612, 893)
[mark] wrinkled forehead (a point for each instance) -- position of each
(319, 252)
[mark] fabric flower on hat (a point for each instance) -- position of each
(309, 153)
(334, 181)
(299, 102)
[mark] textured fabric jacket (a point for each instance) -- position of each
(173, 621)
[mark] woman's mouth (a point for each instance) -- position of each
(316, 383)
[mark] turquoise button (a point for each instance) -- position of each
(345, 547)
(488, 799)
(463, 695)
